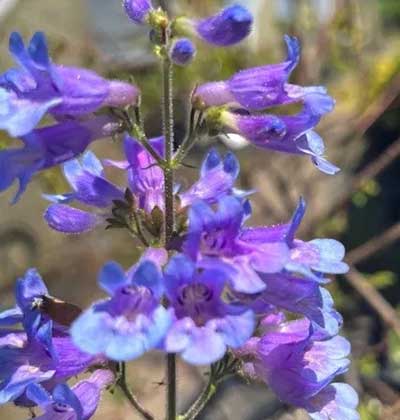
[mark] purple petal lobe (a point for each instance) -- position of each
(67, 219)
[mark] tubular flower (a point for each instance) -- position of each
(217, 179)
(255, 88)
(77, 403)
(204, 325)
(41, 353)
(137, 10)
(230, 26)
(258, 88)
(213, 239)
(25, 361)
(311, 259)
(132, 321)
(47, 147)
(145, 180)
(299, 367)
(38, 86)
(289, 134)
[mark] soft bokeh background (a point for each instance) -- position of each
(351, 46)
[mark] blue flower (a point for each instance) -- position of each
(38, 86)
(205, 325)
(288, 133)
(298, 295)
(41, 353)
(47, 147)
(91, 188)
(311, 259)
(145, 180)
(29, 290)
(258, 88)
(182, 51)
(217, 179)
(230, 26)
(137, 10)
(255, 88)
(213, 239)
(26, 361)
(299, 368)
(79, 402)
(132, 321)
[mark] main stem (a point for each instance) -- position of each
(168, 128)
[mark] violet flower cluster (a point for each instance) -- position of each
(218, 288)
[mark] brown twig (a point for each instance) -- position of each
(374, 298)
(378, 107)
(374, 245)
(369, 172)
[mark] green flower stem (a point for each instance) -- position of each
(201, 402)
(169, 226)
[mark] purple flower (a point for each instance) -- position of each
(145, 180)
(77, 403)
(91, 188)
(137, 10)
(310, 259)
(301, 296)
(255, 88)
(30, 292)
(213, 239)
(217, 179)
(336, 401)
(230, 26)
(132, 321)
(43, 352)
(205, 325)
(263, 87)
(26, 361)
(182, 51)
(299, 368)
(48, 147)
(289, 134)
(38, 86)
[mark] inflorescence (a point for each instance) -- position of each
(249, 300)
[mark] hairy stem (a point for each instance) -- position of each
(168, 130)
(129, 395)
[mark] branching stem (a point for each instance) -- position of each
(130, 396)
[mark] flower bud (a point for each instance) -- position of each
(137, 10)
(230, 26)
(182, 51)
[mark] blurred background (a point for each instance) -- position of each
(350, 46)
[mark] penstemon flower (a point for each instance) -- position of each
(299, 367)
(204, 325)
(145, 182)
(47, 147)
(38, 86)
(78, 402)
(137, 10)
(208, 287)
(230, 26)
(42, 353)
(132, 321)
